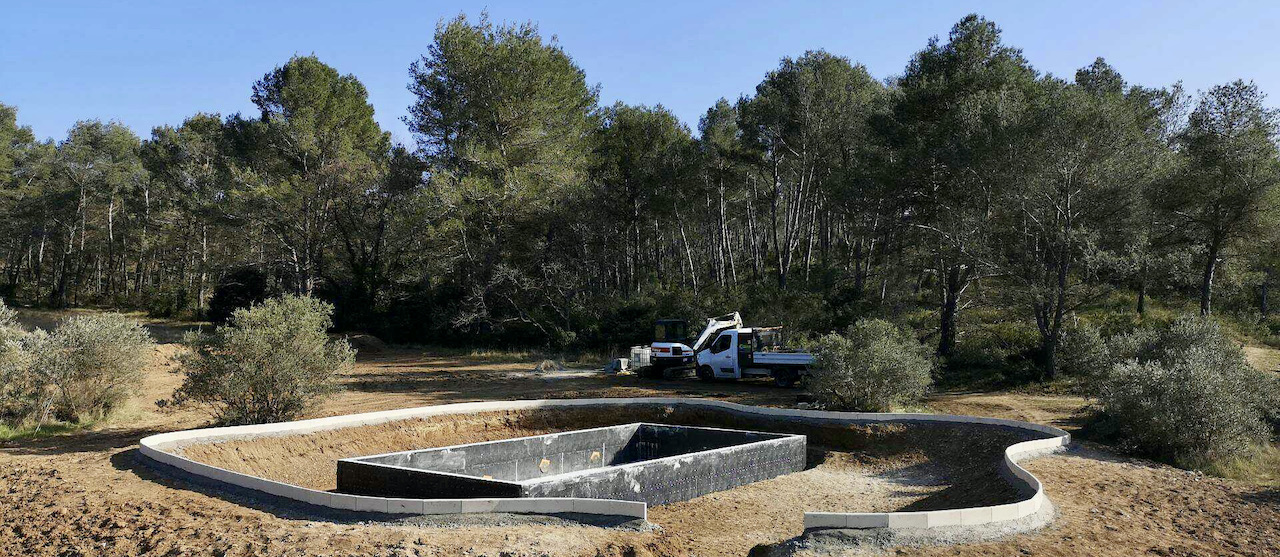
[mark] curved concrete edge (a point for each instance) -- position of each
(157, 447)
(972, 516)
(150, 448)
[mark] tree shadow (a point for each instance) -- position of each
(80, 442)
(976, 485)
(168, 476)
(1267, 497)
(497, 385)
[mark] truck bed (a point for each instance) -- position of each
(782, 358)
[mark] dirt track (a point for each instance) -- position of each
(85, 494)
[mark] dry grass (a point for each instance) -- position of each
(1260, 467)
(1263, 357)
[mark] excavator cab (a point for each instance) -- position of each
(671, 330)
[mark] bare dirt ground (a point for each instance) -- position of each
(1263, 357)
(86, 494)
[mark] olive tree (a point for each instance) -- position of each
(1184, 392)
(84, 369)
(873, 367)
(270, 362)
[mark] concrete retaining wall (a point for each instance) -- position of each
(652, 463)
(668, 472)
(157, 447)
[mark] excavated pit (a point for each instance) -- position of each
(656, 464)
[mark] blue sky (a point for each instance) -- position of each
(152, 63)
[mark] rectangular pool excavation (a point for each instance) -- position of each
(656, 464)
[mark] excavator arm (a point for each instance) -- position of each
(714, 326)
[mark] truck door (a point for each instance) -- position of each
(724, 357)
(746, 349)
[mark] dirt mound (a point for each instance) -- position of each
(548, 366)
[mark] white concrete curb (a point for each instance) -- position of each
(157, 447)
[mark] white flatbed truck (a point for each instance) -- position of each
(739, 352)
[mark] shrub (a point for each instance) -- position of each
(8, 318)
(1082, 352)
(269, 363)
(1184, 392)
(19, 396)
(85, 368)
(238, 289)
(873, 367)
(9, 330)
(1168, 343)
(22, 395)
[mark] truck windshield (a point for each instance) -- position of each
(671, 331)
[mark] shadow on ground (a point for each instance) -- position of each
(79, 442)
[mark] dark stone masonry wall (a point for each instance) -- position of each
(657, 464)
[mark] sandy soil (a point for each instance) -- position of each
(1263, 357)
(86, 494)
(1057, 411)
(1117, 506)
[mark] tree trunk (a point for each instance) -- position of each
(1142, 290)
(808, 250)
(950, 285)
(111, 248)
(1206, 284)
(1264, 304)
(204, 267)
(757, 260)
(1055, 324)
(773, 221)
(693, 274)
(145, 242)
(44, 237)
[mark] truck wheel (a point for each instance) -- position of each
(706, 374)
(785, 378)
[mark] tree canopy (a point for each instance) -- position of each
(968, 196)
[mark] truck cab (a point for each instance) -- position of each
(752, 352)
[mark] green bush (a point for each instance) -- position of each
(8, 317)
(874, 367)
(1082, 352)
(1253, 324)
(23, 397)
(93, 362)
(169, 302)
(83, 370)
(9, 330)
(269, 363)
(1120, 322)
(1183, 392)
(19, 393)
